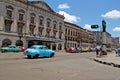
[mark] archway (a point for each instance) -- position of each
(30, 43)
(54, 47)
(40, 43)
(59, 46)
(6, 42)
(19, 43)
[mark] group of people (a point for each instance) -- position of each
(100, 52)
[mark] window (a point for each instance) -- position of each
(41, 18)
(66, 31)
(54, 34)
(9, 14)
(60, 35)
(47, 33)
(8, 26)
(54, 24)
(48, 22)
(60, 26)
(31, 30)
(21, 14)
(9, 10)
(39, 31)
(32, 18)
(20, 29)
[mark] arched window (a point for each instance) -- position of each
(6, 42)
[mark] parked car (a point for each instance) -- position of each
(84, 49)
(71, 50)
(10, 48)
(39, 51)
(22, 48)
(79, 49)
(67, 49)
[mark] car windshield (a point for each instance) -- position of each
(33, 47)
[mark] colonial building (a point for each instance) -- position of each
(75, 36)
(24, 23)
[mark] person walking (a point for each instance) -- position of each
(97, 51)
(100, 53)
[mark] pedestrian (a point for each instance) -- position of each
(116, 51)
(100, 53)
(97, 51)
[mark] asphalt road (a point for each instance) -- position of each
(64, 66)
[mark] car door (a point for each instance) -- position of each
(10, 49)
(46, 52)
(42, 51)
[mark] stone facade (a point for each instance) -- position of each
(24, 23)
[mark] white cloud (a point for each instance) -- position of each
(87, 26)
(68, 17)
(117, 29)
(64, 6)
(114, 14)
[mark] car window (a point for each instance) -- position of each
(41, 48)
(33, 48)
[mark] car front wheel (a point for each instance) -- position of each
(52, 55)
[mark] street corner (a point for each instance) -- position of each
(104, 61)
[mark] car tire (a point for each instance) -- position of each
(30, 57)
(37, 55)
(52, 55)
(3, 51)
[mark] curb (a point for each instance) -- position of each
(107, 63)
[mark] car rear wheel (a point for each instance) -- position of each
(30, 57)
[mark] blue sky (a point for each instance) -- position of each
(88, 12)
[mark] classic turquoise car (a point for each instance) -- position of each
(10, 48)
(39, 51)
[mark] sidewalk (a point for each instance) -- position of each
(109, 59)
